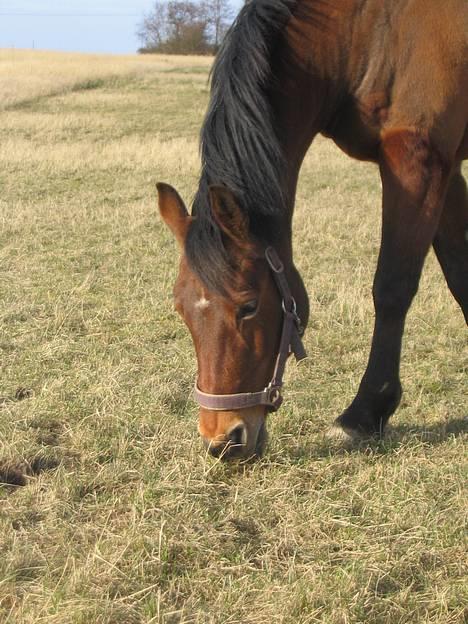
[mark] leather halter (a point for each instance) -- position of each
(290, 342)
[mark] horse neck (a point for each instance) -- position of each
(298, 119)
(309, 87)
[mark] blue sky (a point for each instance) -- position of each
(73, 25)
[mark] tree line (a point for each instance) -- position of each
(185, 27)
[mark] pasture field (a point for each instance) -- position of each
(110, 510)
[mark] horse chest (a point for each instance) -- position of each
(357, 125)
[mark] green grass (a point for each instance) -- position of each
(122, 517)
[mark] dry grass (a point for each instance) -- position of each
(122, 518)
(27, 75)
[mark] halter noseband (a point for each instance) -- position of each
(290, 342)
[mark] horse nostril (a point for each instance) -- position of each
(215, 451)
(238, 435)
(230, 446)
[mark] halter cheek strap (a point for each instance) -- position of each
(290, 342)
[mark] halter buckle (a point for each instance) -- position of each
(294, 314)
(274, 396)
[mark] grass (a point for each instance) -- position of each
(110, 511)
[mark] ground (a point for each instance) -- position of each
(111, 512)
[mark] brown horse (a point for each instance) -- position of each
(387, 80)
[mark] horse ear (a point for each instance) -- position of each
(173, 211)
(230, 218)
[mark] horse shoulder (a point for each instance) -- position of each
(412, 73)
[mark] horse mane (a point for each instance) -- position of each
(239, 145)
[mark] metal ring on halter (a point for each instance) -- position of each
(274, 395)
(294, 307)
(277, 269)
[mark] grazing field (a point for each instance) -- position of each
(110, 510)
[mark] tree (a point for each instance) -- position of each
(183, 13)
(184, 26)
(153, 31)
(219, 14)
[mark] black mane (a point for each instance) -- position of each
(239, 146)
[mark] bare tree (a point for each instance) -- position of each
(181, 13)
(185, 26)
(153, 30)
(219, 14)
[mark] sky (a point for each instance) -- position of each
(73, 25)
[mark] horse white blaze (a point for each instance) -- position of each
(202, 303)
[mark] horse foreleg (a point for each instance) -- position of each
(451, 240)
(414, 179)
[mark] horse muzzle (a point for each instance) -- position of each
(239, 434)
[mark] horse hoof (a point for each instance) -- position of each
(353, 430)
(337, 433)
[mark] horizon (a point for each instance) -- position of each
(87, 26)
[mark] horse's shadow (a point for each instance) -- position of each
(433, 434)
(397, 436)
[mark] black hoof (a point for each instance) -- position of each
(356, 428)
(368, 414)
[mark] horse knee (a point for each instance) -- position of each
(416, 164)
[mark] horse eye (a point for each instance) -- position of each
(248, 309)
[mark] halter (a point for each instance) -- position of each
(290, 342)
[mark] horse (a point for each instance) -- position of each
(387, 81)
